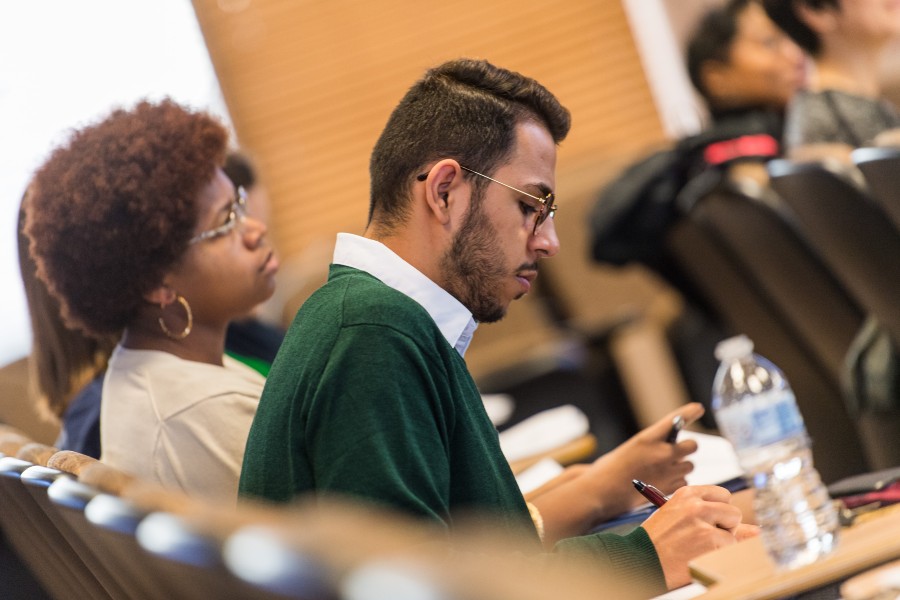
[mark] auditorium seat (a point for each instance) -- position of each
(35, 537)
(81, 550)
(881, 169)
(852, 233)
(741, 251)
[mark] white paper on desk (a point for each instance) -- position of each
(543, 432)
(715, 460)
(691, 590)
(538, 474)
(499, 407)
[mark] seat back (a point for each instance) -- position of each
(761, 279)
(109, 523)
(137, 535)
(851, 233)
(11, 440)
(80, 549)
(881, 169)
(334, 549)
(35, 536)
(758, 231)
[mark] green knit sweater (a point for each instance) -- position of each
(366, 398)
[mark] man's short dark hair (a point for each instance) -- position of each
(712, 40)
(463, 109)
(784, 14)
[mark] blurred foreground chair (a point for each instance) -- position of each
(137, 532)
(133, 539)
(32, 531)
(173, 546)
(367, 553)
(79, 551)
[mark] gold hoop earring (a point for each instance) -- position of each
(187, 328)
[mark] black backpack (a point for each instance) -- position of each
(634, 209)
(633, 212)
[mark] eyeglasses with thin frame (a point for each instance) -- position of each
(236, 214)
(547, 204)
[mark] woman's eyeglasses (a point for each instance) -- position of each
(236, 214)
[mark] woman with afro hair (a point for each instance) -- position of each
(137, 231)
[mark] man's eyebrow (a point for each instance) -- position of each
(543, 187)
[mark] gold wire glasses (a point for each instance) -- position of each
(546, 206)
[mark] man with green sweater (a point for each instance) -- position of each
(370, 396)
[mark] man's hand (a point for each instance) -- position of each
(696, 520)
(649, 457)
(585, 495)
(657, 461)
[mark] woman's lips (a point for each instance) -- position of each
(270, 265)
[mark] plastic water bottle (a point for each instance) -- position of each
(756, 411)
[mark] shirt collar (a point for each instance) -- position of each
(453, 319)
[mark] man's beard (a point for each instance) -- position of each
(473, 269)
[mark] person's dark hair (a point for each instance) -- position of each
(463, 109)
(784, 14)
(239, 170)
(114, 208)
(62, 360)
(712, 40)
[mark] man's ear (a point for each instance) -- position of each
(821, 20)
(716, 78)
(443, 182)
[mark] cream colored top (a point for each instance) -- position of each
(177, 422)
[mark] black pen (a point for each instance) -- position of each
(677, 425)
(656, 497)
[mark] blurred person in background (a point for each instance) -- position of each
(746, 70)
(842, 108)
(66, 366)
(250, 339)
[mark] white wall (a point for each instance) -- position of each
(662, 57)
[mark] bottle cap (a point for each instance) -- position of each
(735, 347)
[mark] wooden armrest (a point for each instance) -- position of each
(11, 439)
(35, 453)
(70, 461)
(104, 477)
(152, 497)
(577, 450)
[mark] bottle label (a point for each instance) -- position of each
(761, 420)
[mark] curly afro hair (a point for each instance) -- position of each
(114, 208)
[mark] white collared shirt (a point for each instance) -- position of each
(453, 319)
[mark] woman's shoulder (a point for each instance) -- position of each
(170, 379)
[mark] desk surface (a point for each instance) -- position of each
(745, 572)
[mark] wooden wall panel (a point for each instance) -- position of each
(310, 84)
